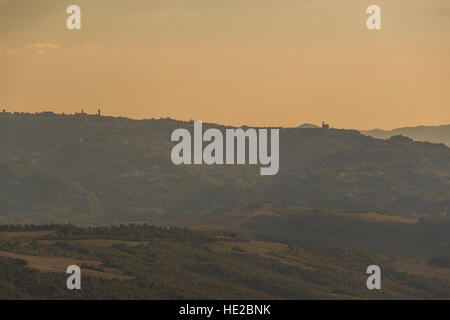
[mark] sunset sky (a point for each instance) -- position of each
(252, 62)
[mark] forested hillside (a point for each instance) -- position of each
(92, 169)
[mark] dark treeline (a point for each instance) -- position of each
(27, 227)
(133, 231)
(136, 232)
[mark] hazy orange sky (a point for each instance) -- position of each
(253, 62)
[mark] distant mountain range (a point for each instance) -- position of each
(307, 126)
(435, 134)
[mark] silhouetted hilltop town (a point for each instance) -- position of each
(324, 126)
(5, 113)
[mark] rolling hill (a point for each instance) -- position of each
(91, 169)
(340, 202)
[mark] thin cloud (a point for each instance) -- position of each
(34, 48)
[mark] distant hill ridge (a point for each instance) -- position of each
(435, 134)
(307, 126)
